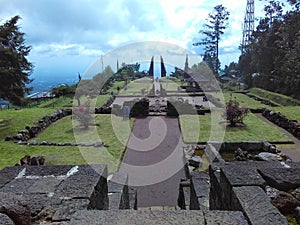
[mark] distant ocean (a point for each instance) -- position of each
(41, 84)
(46, 83)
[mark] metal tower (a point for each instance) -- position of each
(248, 26)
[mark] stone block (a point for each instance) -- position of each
(214, 217)
(9, 173)
(250, 146)
(201, 183)
(137, 217)
(212, 154)
(118, 191)
(5, 220)
(241, 174)
(132, 197)
(68, 208)
(256, 206)
(283, 179)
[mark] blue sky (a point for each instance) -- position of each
(68, 36)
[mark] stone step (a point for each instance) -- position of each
(155, 208)
(154, 217)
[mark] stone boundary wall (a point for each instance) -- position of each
(243, 186)
(46, 121)
(280, 120)
(263, 101)
(106, 107)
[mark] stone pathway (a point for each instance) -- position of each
(154, 161)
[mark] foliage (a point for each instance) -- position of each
(272, 59)
(63, 90)
(83, 114)
(213, 29)
(14, 67)
(233, 113)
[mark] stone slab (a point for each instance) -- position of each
(283, 179)
(37, 202)
(201, 182)
(44, 185)
(68, 208)
(256, 206)
(245, 173)
(48, 170)
(117, 182)
(137, 217)
(9, 173)
(5, 220)
(224, 217)
(83, 183)
(18, 186)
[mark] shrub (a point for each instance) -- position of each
(83, 114)
(233, 113)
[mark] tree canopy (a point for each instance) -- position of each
(213, 29)
(272, 59)
(14, 66)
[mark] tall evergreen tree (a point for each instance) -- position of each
(213, 29)
(14, 67)
(271, 61)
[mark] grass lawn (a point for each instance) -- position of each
(135, 87)
(112, 130)
(280, 99)
(244, 100)
(254, 129)
(171, 84)
(57, 102)
(11, 120)
(290, 112)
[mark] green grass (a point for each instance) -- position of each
(135, 87)
(171, 84)
(57, 102)
(14, 120)
(112, 130)
(202, 129)
(274, 97)
(290, 112)
(244, 100)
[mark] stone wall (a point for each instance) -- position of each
(46, 121)
(291, 126)
(243, 186)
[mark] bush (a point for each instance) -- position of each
(83, 114)
(234, 114)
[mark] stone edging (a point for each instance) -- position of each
(31, 132)
(280, 120)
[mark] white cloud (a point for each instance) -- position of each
(89, 28)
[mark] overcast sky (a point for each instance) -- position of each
(68, 36)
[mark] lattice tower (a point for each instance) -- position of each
(248, 26)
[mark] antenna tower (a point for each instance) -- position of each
(248, 26)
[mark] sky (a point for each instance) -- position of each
(67, 37)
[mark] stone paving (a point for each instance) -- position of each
(154, 161)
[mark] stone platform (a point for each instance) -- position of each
(148, 217)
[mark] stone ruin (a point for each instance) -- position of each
(230, 192)
(139, 108)
(291, 126)
(106, 107)
(30, 132)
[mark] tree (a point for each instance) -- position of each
(213, 29)
(271, 60)
(14, 67)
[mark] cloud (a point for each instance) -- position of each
(82, 30)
